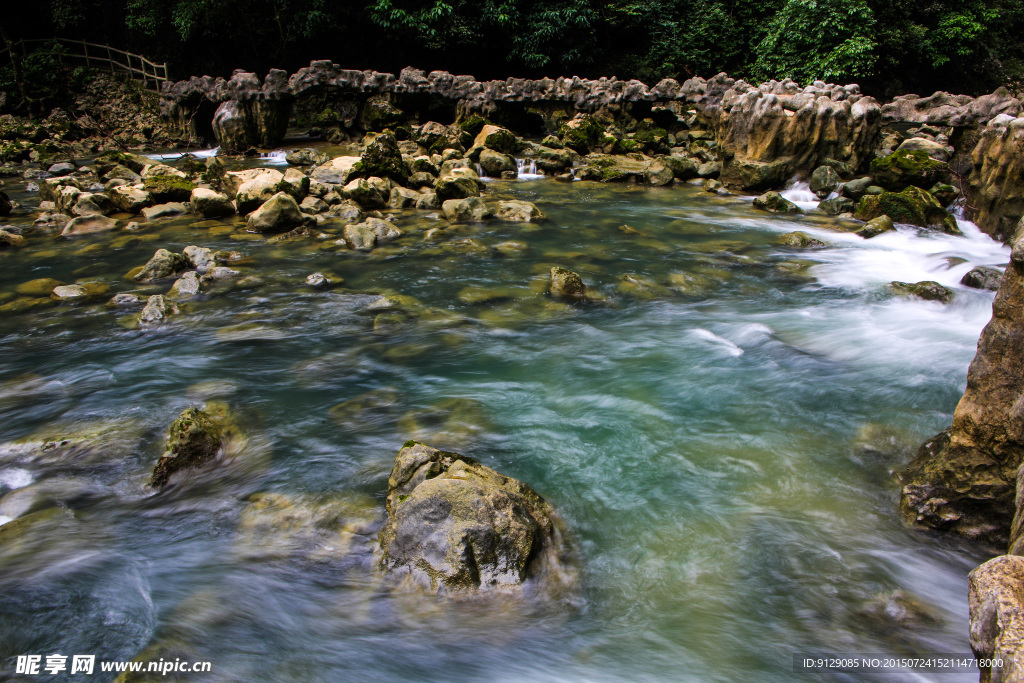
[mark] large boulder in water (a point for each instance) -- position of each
(382, 159)
(964, 480)
(996, 598)
(455, 525)
(913, 206)
(280, 213)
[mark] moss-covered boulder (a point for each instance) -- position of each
(875, 227)
(913, 206)
(382, 159)
(454, 525)
(379, 113)
(497, 138)
(929, 290)
(800, 240)
(908, 167)
(773, 202)
(837, 205)
(567, 285)
(193, 441)
(164, 264)
(168, 188)
(582, 133)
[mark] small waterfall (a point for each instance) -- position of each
(528, 169)
(480, 170)
(275, 157)
(801, 195)
(173, 156)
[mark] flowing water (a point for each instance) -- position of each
(719, 438)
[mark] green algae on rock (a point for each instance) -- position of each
(193, 440)
(913, 206)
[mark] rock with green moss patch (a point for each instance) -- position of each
(455, 525)
(908, 167)
(929, 290)
(168, 188)
(567, 285)
(875, 227)
(379, 113)
(800, 240)
(164, 264)
(582, 133)
(382, 159)
(824, 180)
(193, 441)
(496, 138)
(913, 206)
(773, 202)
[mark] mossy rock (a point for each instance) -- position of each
(473, 125)
(193, 440)
(800, 240)
(773, 202)
(382, 159)
(169, 188)
(582, 133)
(913, 206)
(905, 167)
(378, 113)
(929, 290)
(105, 162)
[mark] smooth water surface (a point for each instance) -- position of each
(718, 437)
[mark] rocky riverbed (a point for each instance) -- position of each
(597, 403)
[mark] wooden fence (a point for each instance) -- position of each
(90, 55)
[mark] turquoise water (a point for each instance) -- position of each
(721, 455)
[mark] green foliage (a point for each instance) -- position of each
(808, 40)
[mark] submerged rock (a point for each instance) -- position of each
(455, 525)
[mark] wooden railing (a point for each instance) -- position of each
(151, 75)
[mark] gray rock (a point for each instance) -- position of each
(856, 188)
(454, 525)
(164, 210)
(130, 199)
(157, 310)
(518, 210)
(278, 214)
(87, 225)
(199, 258)
(163, 265)
(208, 203)
(185, 287)
(69, 293)
(824, 180)
(318, 281)
(466, 210)
(982, 277)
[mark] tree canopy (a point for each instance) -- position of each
(916, 45)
